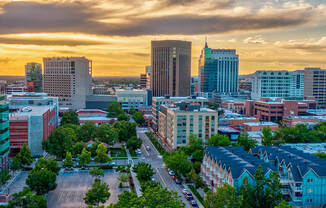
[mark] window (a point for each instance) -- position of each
(310, 180)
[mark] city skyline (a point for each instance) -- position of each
(116, 35)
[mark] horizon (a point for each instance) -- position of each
(116, 36)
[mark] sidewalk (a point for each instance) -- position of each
(14, 175)
(133, 175)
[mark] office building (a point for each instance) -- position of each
(145, 81)
(134, 98)
(33, 77)
(315, 85)
(277, 84)
(218, 71)
(4, 132)
(171, 67)
(12, 89)
(180, 120)
(158, 101)
(68, 78)
(302, 175)
(100, 101)
(32, 125)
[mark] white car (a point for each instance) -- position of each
(185, 191)
(171, 173)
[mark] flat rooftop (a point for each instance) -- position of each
(32, 110)
(263, 123)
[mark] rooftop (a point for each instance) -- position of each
(32, 110)
(241, 118)
(262, 123)
(227, 129)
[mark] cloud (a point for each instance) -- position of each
(81, 17)
(305, 45)
(49, 42)
(4, 60)
(258, 39)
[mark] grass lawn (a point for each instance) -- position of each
(118, 152)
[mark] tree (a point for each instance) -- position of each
(77, 148)
(25, 155)
(114, 109)
(27, 199)
(15, 164)
(246, 191)
(267, 136)
(195, 148)
(107, 134)
(41, 181)
(134, 143)
(273, 192)
(93, 147)
(219, 140)
(70, 118)
(49, 164)
(128, 199)
(60, 141)
(283, 204)
(87, 132)
(226, 196)
(125, 129)
(4, 176)
(102, 155)
(144, 171)
(178, 162)
(321, 155)
(84, 157)
(68, 162)
(123, 117)
(245, 141)
(99, 193)
(195, 178)
(138, 117)
(123, 178)
(97, 172)
(259, 190)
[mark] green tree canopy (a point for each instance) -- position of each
(25, 155)
(15, 164)
(178, 162)
(114, 109)
(128, 199)
(267, 136)
(102, 155)
(321, 155)
(97, 172)
(87, 132)
(226, 196)
(125, 129)
(245, 141)
(49, 164)
(123, 117)
(77, 148)
(84, 157)
(68, 162)
(283, 204)
(107, 134)
(70, 118)
(27, 199)
(99, 193)
(219, 140)
(144, 171)
(60, 141)
(41, 181)
(138, 117)
(134, 143)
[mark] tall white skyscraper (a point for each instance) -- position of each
(68, 78)
(218, 71)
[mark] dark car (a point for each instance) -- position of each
(194, 203)
(177, 181)
(189, 197)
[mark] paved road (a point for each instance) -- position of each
(161, 175)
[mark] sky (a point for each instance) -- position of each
(116, 34)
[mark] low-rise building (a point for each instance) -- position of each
(234, 105)
(99, 101)
(32, 125)
(308, 120)
(230, 132)
(10, 89)
(94, 115)
(158, 101)
(258, 126)
(134, 98)
(178, 121)
(238, 121)
(311, 148)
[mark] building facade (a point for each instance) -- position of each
(134, 98)
(12, 89)
(218, 71)
(277, 84)
(158, 101)
(171, 67)
(68, 78)
(315, 85)
(99, 101)
(33, 77)
(178, 121)
(4, 132)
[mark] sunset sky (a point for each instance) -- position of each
(116, 34)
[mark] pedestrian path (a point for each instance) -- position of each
(133, 174)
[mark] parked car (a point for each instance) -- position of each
(171, 173)
(194, 203)
(173, 177)
(184, 191)
(189, 196)
(177, 181)
(148, 148)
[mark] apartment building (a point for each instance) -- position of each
(4, 132)
(68, 78)
(315, 85)
(180, 120)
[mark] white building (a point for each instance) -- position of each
(134, 98)
(178, 121)
(68, 78)
(282, 84)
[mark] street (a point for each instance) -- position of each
(161, 175)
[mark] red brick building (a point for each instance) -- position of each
(258, 126)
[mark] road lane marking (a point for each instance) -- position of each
(161, 177)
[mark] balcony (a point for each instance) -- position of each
(4, 125)
(4, 146)
(4, 135)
